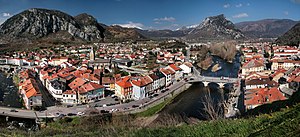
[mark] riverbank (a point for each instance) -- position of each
(9, 92)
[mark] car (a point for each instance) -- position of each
(96, 105)
(61, 115)
(113, 95)
(116, 99)
(135, 106)
(155, 95)
(191, 78)
(71, 114)
(13, 110)
(104, 105)
(69, 106)
(113, 110)
(80, 113)
(104, 111)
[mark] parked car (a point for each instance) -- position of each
(13, 110)
(71, 114)
(104, 111)
(80, 113)
(113, 96)
(104, 105)
(135, 106)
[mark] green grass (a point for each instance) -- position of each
(153, 110)
(283, 123)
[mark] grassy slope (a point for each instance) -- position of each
(285, 122)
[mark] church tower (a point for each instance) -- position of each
(92, 54)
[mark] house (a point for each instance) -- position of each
(162, 79)
(108, 83)
(77, 83)
(90, 92)
(168, 74)
(186, 68)
(56, 86)
(155, 83)
(284, 64)
(57, 61)
(30, 93)
(259, 96)
(139, 88)
(252, 66)
(260, 83)
(177, 70)
(70, 97)
(123, 88)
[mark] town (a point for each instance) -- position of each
(122, 73)
(89, 73)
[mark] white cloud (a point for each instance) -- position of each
(241, 15)
(239, 5)
(169, 19)
(6, 14)
(131, 24)
(248, 4)
(296, 1)
(226, 6)
(286, 13)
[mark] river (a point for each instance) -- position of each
(190, 103)
(8, 92)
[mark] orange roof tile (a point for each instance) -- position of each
(76, 83)
(264, 95)
(125, 82)
(174, 67)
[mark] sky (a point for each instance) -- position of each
(160, 14)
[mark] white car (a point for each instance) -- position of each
(80, 113)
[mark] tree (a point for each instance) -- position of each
(213, 110)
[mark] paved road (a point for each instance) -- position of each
(6, 111)
(48, 100)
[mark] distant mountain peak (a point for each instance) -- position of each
(266, 28)
(214, 27)
(36, 23)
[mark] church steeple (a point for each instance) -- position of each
(92, 54)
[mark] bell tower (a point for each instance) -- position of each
(92, 54)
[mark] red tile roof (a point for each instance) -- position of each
(166, 71)
(76, 83)
(253, 63)
(174, 67)
(90, 86)
(263, 95)
(125, 82)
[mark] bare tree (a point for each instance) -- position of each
(213, 110)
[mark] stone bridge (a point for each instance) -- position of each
(221, 81)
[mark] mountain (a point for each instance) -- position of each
(267, 28)
(291, 37)
(37, 23)
(214, 28)
(118, 33)
(161, 33)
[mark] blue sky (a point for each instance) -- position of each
(160, 14)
